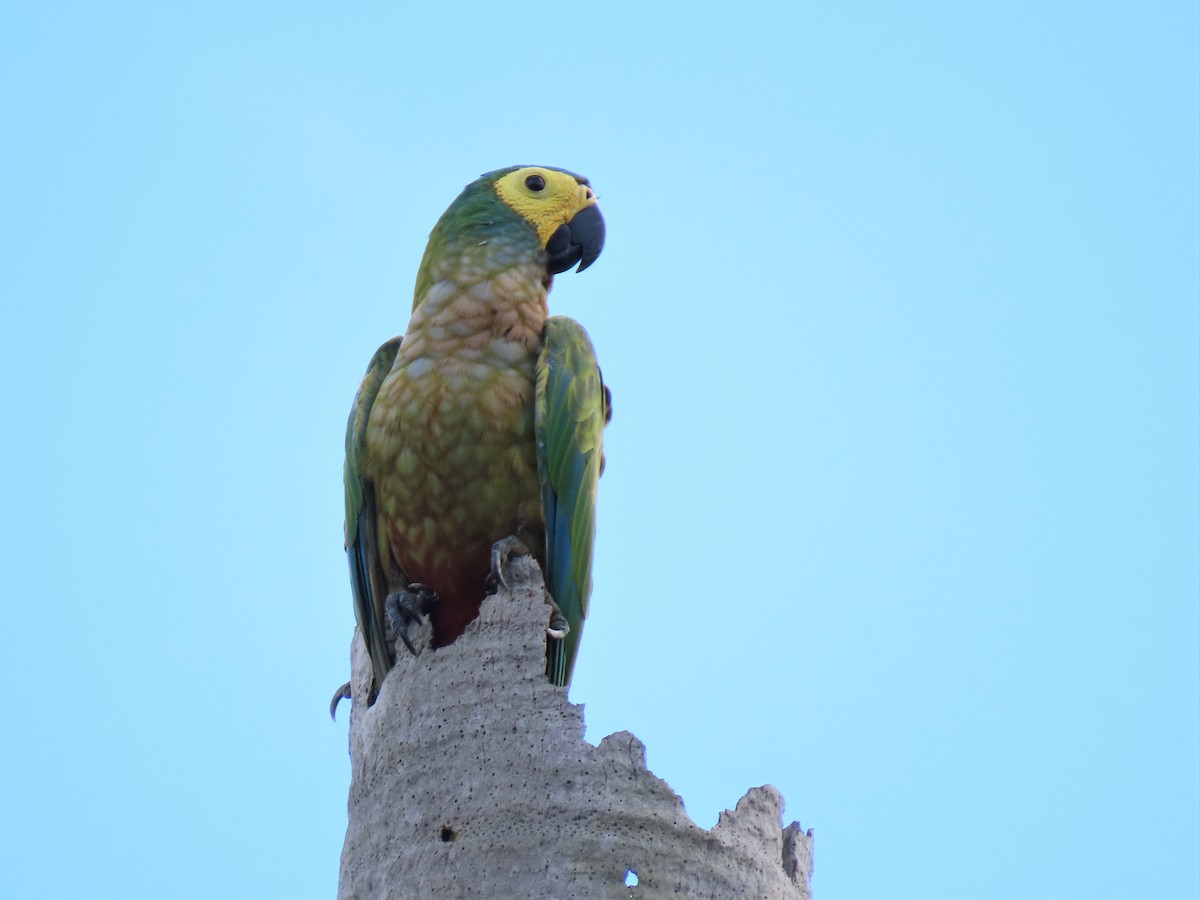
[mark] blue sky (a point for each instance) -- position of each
(899, 309)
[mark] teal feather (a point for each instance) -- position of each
(570, 412)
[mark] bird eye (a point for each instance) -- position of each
(535, 182)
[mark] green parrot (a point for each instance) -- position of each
(477, 435)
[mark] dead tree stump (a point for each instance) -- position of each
(471, 778)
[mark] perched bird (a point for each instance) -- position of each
(477, 435)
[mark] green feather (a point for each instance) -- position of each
(456, 232)
(367, 580)
(570, 412)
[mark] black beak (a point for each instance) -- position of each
(579, 241)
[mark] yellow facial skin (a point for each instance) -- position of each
(544, 197)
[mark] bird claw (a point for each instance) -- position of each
(502, 551)
(558, 626)
(404, 609)
(342, 693)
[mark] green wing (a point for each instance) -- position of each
(367, 579)
(570, 410)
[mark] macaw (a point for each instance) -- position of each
(477, 435)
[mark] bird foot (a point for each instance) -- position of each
(502, 551)
(404, 609)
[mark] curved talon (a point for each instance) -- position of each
(427, 597)
(342, 693)
(502, 551)
(558, 627)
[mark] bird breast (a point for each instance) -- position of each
(450, 438)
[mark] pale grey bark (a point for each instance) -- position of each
(471, 778)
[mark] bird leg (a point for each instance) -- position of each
(404, 609)
(504, 550)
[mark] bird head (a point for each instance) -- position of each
(561, 208)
